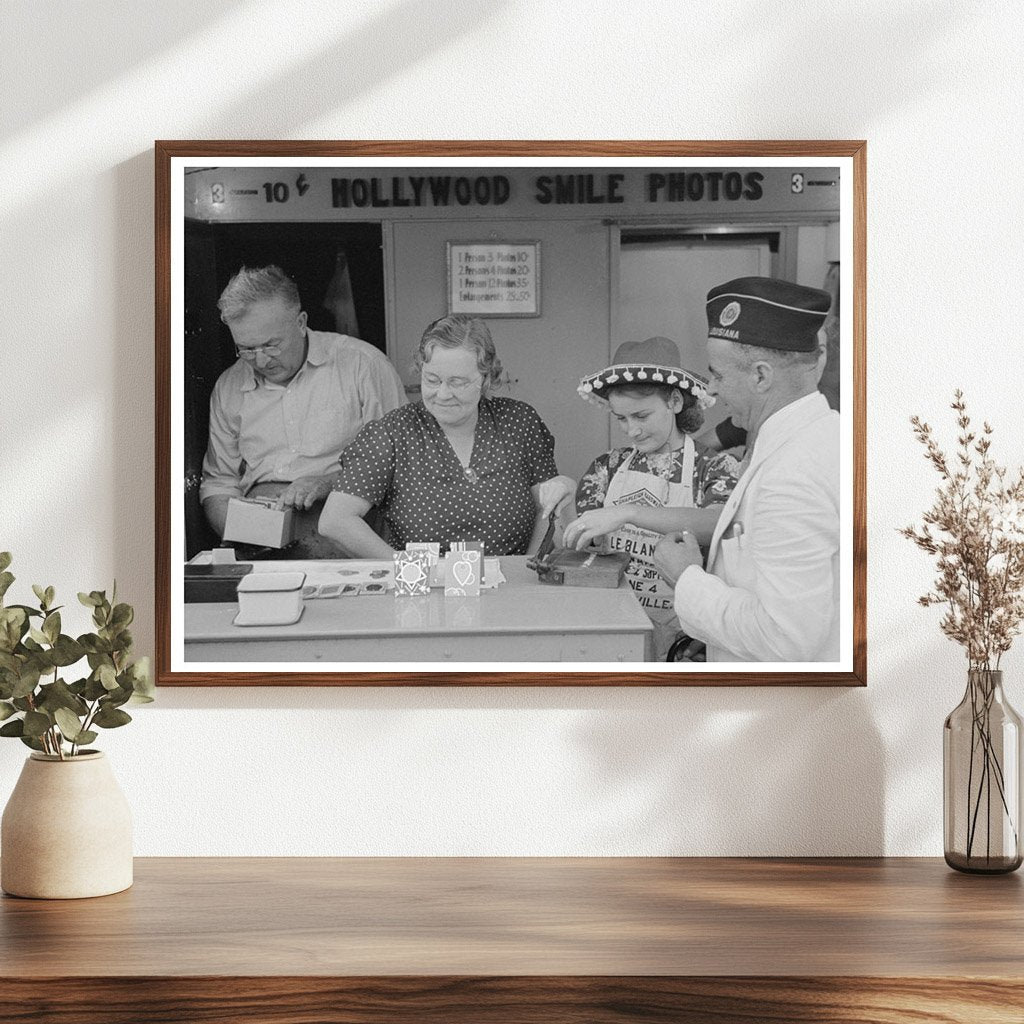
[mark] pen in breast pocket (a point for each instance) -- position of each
(736, 532)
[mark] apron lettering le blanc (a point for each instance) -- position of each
(633, 487)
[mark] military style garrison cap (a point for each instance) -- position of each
(769, 313)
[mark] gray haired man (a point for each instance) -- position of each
(284, 411)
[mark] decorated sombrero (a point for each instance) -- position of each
(654, 361)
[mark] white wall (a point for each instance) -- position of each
(936, 88)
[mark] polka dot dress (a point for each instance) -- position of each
(404, 464)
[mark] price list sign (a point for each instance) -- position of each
(494, 278)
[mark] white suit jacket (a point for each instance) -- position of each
(771, 590)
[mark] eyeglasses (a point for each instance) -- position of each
(432, 381)
(250, 354)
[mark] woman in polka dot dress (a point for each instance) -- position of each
(457, 465)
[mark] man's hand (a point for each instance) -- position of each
(695, 650)
(305, 492)
(591, 526)
(675, 553)
(554, 493)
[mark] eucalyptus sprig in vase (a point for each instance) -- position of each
(66, 831)
(975, 530)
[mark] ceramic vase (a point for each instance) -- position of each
(66, 830)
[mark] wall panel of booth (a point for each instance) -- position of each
(544, 356)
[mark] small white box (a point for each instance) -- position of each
(270, 599)
(256, 521)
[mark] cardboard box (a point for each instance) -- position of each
(256, 521)
(566, 567)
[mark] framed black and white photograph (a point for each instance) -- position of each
(396, 446)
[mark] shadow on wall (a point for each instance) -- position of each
(131, 402)
(926, 36)
(342, 63)
(738, 772)
(922, 676)
(57, 57)
(397, 37)
(693, 772)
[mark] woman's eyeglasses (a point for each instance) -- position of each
(432, 381)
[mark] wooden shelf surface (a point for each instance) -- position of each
(568, 939)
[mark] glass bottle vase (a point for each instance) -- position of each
(981, 748)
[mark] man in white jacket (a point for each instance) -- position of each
(771, 589)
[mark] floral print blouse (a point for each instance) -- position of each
(715, 474)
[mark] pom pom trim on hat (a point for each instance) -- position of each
(636, 373)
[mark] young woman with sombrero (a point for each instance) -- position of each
(661, 481)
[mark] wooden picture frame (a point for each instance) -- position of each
(615, 194)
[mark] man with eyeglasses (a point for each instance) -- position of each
(285, 410)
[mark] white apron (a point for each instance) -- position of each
(633, 487)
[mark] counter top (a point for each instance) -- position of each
(519, 621)
(458, 939)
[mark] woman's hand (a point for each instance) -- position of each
(553, 494)
(591, 526)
